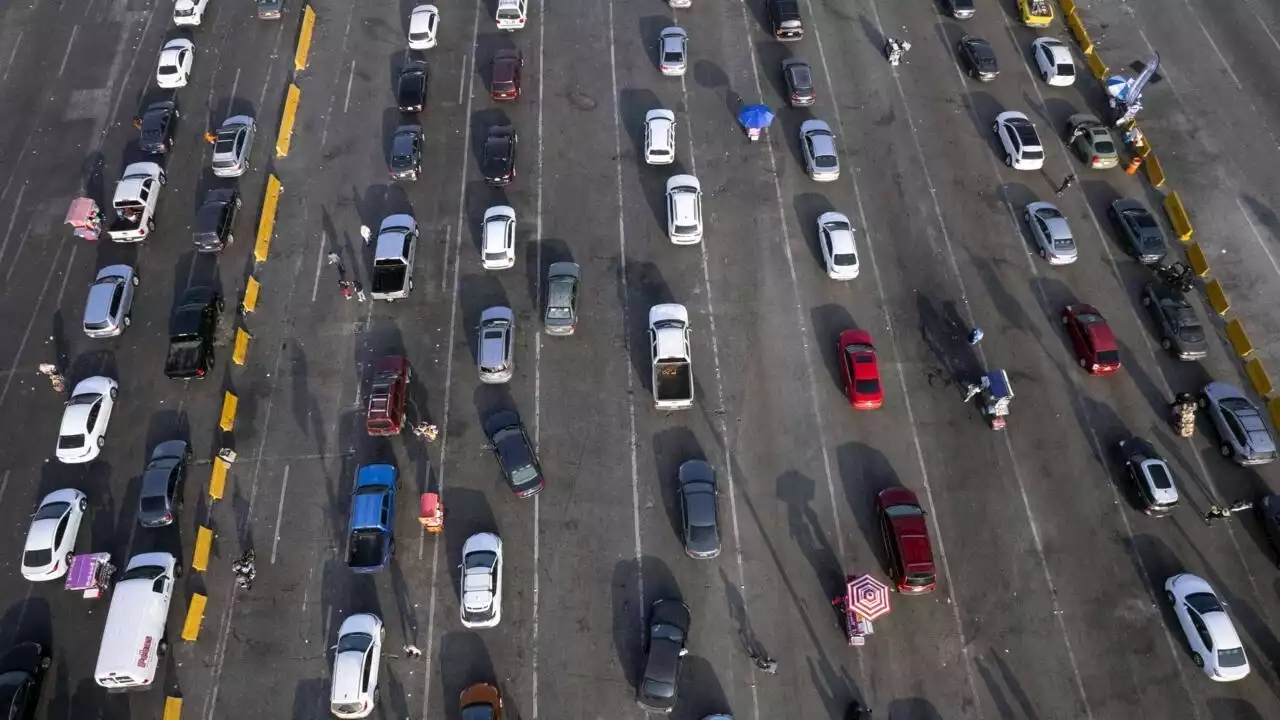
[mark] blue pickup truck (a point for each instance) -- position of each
(373, 514)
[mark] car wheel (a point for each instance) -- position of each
(1202, 402)
(128, 321)
(102, 440)
(221, 304)
(1044, 76)
(1044, 254)
(162, 648)
(113, 392)
(1225, 449)
(164, 179)
(239, 202)
(1166, 343)
(70, 554)
(1008, 160)
(231, 237)
(1082, 362)
(1197, 659)
(151, 224)
(1146, 301)
(995, 128)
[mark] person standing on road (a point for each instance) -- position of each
(1067, 182)
(335, 259)
(975, 336)
(366, 234)
(347, 287)
(359, 290)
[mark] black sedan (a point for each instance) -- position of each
(698, 508)
(411, 87)
(799, 79)
(156, 127)
(668, 631)
(1176, 323)
(979, 58)
(160, 497)
(1139, 231)
(21, 672)
(498, 162)
(515, 454)
(405, 162)
(1268, 509)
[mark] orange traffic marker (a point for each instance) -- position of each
(1134, 164)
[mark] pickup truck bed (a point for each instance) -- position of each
(673, 381)
(367, 550)
(389, 279)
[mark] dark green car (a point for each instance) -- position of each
(1092, 142)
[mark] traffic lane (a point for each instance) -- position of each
(1216, 178)
(592, 438)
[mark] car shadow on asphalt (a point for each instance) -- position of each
(646, 287)
(828, 321)
(798, 493)
(630, 620)
(1006, 691)
(864, 472)
(703, 694)
(469, 513)
(310, 698)
(468, 663)
(808, 206)
(671, 448)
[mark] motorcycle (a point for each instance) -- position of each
(894, 50)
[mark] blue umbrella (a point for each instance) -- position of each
(755, 117)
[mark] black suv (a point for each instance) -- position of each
(156, 127)
(785, 17)
(161, 495)
(192, 331)
(498, 162)
(405, 162)
(411, 87)
(666, 635)
(212, 230)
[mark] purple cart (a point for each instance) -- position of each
(90, 574)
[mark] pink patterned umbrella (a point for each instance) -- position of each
(868, 596)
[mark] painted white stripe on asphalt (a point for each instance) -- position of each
(284, 487)
(66, 54)
(537, 363)
(346, 103)
(14, 53)
(35, 313)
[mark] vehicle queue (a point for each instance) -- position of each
(134, 639)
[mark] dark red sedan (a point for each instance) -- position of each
(1092, 339)
(507, 68)
(906, 541)
(860, 370)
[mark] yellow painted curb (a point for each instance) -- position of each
(204, 544)
(1258, 376)
(1196, 258)
(1068, 6)
(1240, 341)
(241, 350)
(1155, 171)
(195, 616)
(1096, 66)
(218, 479)
(1178, 216)
(229, 404)
(251, 289)
(1217, 297)
(1273, 406)
(172, 708)
(304, 39)
(287, 119)
(267, 219)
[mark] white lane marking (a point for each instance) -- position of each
(115, 106)
(13, 262)
(537, 362)
(444, 266)
(275, 51)
(4, 484)
(235, 87)
(346, 103)
(462, 79)
(1262, 243)
(13, 217)
(67, 53)
(14, 53)
(220, 650)
(448, 375)
(275, 541)
(35, 313)
(1262, 24)
(626, 330)
(320, 256)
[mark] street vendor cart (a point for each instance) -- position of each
(431, 513)
(865, 599)
(90, 574)
(996, 395)
(85, 216)
(1184, 414)
(387, 395)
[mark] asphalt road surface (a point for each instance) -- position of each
(1049, 602)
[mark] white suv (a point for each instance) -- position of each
(1021, 142)
(499, 252)
(659, 137)
(355, 666)
(481, 581)
(1053, 59)
(684, 210)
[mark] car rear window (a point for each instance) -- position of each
(844, 259)
(867, 386)
(1232, 658)
(37, 558)
(1104, 147)
(1109, 357)
(919, 579)
(1066, 69)
(1032, 154)
(672, 56)
(70, 442)
(152, 504)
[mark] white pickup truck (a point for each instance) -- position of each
(135, 202)
(672, 361)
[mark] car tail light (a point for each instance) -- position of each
(200, 372)
(168, 517)
(1094, 160)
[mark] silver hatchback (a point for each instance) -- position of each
(231, 146)
(495, 353)
(561, 316)
(110, 301)
(1246, 439)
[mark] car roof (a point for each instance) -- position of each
(97, 306)
(1057, 49)
(1221, 630)
(347, 670)
(75, 420)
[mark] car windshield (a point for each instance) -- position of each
(903, 511)
(1235, 405)
(477, 711)
(70, 442)
(666, 631)
(142, 572)
(84, 399)
(168, 70)
(508, 14)
(686, 229)
(1141, 219)
(1088, 318)
(1204, 602)
(52, 511)
(844, 259)
(825, 161)
(37, 558)
(672, 56)
(483, 560)
(1033, 154)
(1064, 243)
(868, 386)
(354, 642)
(1231, 658)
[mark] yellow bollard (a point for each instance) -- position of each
(1197, 260)
(267, 219)
(1217, 297)
(229, 404)
(304, 39)
(242, 346)
(287, 118)
(204, 544)
(1258, 376)
(1178, 217)
(1155, 171)
(172, 708)
(218, 479)
(195, 616)
(250, 301)
(1240, 341)
(1096, 66)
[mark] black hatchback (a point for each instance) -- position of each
(799, 79)
(498, 161)
(979, 58)
(21, 673)
(405, 162)
(160, 498)
(665, 640)
(411, 87)
(156, 127)
(514, 452)
(214, 220)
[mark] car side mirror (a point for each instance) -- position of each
(685, 651)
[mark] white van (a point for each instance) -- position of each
(134, 638)
(512, 14)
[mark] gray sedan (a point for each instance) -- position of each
(110, 301)
(819, 148)
(698, 508)
(1053, 236)
(161, 495)
(1246, 439)
(1139, 231)
(1179, 329)
(496, 348)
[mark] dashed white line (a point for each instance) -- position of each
(444, 266)
(284, 487)
(235, 87)
(537, 365)
(320, 256)
(12, 54)
(346, 103)
(66, 54)
(1262, 243)
(462, 79)
(35, 313)
(4, 484)
(448, 376)
(13, 217)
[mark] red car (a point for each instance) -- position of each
(906, 541)
(507, 66)
(1091, 336)
(860, 370)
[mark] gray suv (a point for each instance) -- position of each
(231, 146)
(110, 301)
(161, 495)
(1245, 436)
(495, 354)
(562, 298)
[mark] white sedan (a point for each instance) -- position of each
(424, 21)
(1215, 646)
(659, 137)
(839, 253)
(189, 12)
(1054, 61)
(355, 666)
(499, 251)
(174, 68)
(481, 581)
(84, 420)
(51, 541)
